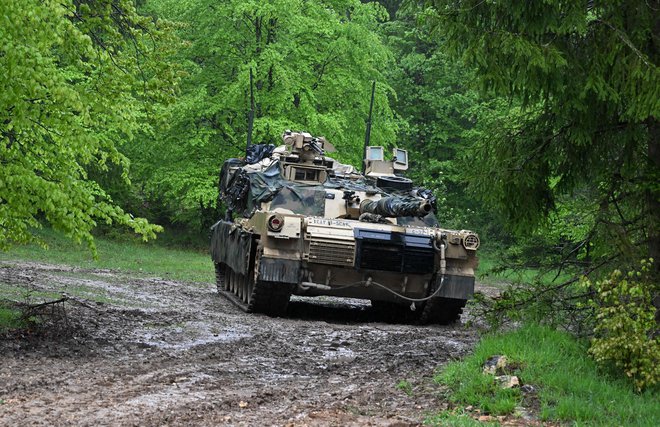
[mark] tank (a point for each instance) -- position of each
(301, 223)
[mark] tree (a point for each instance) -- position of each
(78, 77)
(586, 75)
(441, 108)
(313, 63)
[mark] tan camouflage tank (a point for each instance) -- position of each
(309, 225)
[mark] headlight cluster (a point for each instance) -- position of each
(471, 242)
(275, 222)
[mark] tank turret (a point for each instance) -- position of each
(305, 159)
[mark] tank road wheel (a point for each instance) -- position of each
(251, 294)
(232, 282)
(239, 286)
(220, 277)
(270, 298)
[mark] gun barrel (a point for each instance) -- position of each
(396, 207)
(314, 144)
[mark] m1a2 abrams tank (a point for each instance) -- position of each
(309, 225)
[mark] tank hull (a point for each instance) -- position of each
(383, 263)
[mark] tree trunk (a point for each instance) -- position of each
(653, 202)
(652, 196)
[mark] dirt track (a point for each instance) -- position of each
(145, 351)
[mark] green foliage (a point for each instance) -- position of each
(537, 297)
(567, 245)
(583, 83)
(626, 329)
(78, 78)
(313, 64)
(10, 318)
(617, 312)
(440, 109)
(569, 386)
(492, 272)
(536, 51)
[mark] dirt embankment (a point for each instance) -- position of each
(144, 351)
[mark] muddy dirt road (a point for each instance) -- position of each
(146, 351)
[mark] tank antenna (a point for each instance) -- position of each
(367, 136)
(250, 116)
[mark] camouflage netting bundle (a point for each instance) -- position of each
(245, 185)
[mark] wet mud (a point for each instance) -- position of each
(147, 351)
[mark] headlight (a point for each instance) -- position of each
(275, 222)
(471, 242)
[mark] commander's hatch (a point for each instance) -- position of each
(376, 165)
(305, 160)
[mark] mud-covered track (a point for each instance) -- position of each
(252, 296)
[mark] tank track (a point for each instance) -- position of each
(268, 298)
(392, 312)
(442, 311)
(220, 278)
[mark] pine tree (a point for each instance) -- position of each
(586, 74)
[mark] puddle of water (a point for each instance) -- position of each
(333, 301)
(455, 345)
(188, 335)
(339, 354)
(175, 392)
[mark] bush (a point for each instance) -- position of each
(626, 332)
(10, 317)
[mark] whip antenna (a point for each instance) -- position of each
(367, 137)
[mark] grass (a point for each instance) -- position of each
(455, 419)
(22, 293)
(488, 261)
(405, 386)
(132, 256)
(10, 318)
(570, 387)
